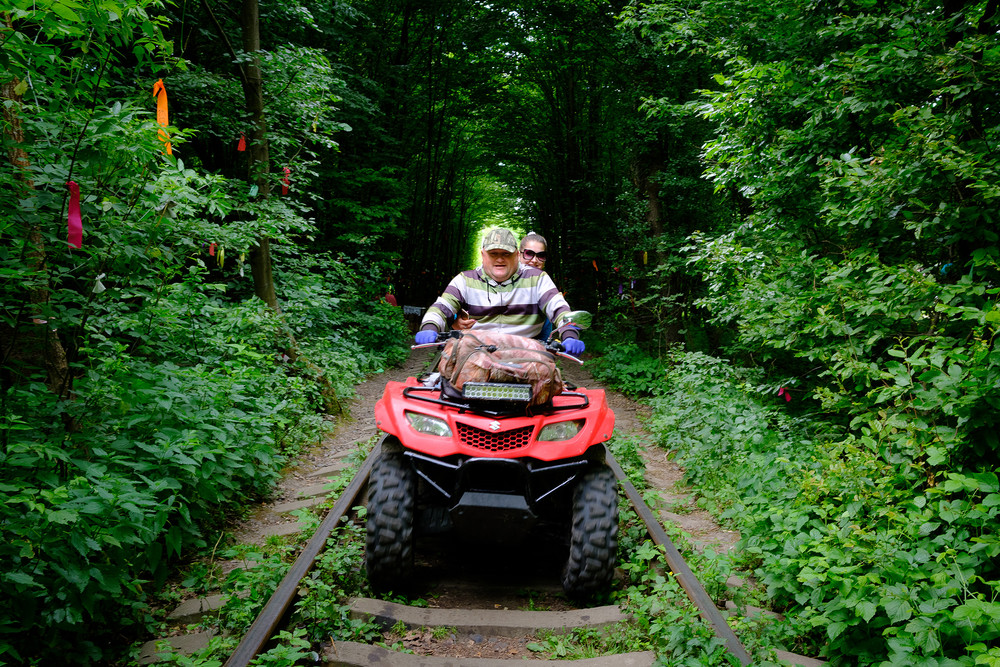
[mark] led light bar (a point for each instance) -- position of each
(497, 391)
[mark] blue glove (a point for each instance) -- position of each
(426, 336)
(574, 346)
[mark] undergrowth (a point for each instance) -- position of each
(187, 406)
(869, 562)
(321, 611)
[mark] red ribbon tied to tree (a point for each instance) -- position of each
(160, 93)
(242, 146)
(285, 181)
(74, 223)
(784, 392)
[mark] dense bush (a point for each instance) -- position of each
(185, 411)
(845, 534)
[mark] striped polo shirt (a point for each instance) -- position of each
(519, 305)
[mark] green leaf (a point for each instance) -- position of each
(19, 578)
(835, 629)
(897, 609)
(64, 12)
(866, 609)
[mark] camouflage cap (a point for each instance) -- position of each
(500, 239)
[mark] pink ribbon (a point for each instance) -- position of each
(75, 221)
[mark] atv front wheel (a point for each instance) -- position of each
(389, 541)
(593, 547)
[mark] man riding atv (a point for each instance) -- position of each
(494, 445)
(503, 296)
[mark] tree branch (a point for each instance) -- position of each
(222, 33)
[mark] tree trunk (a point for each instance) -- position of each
(257, 151)
(36, 344)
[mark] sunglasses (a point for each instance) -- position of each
(531, 254)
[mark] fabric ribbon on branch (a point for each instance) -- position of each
(160, 93)
(285, 181)
(74, 222)
(242, 146)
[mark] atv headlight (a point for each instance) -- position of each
(561, 430)
(428, 425)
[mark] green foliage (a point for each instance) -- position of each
(174, 408)
(337, 576)
(856, 139)
(630, 369)
(663, 618)
(839, 529)
(627, 451)
(193, 417)
(580, 644)
(292, 647)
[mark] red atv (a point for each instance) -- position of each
(489, 461)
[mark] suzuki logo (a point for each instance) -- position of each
(494, 426)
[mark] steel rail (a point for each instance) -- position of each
(685, 577)
(277, 606)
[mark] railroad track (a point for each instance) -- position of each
(498, 621)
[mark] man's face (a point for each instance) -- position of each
(499, 264)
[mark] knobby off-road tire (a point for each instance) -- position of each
(389, 541)
(593, 547)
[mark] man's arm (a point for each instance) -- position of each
(441, 311)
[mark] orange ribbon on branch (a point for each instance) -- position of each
(285, 181)
(160, 93)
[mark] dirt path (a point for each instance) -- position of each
(356, 426)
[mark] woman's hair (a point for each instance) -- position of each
(532, 236)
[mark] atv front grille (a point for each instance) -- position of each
(494, 442)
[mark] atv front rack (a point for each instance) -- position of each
(493, 408)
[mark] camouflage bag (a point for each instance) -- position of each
(487, 356)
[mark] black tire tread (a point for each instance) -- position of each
(389, 528)
(593, 549)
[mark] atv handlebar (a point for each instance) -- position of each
(553, 346)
